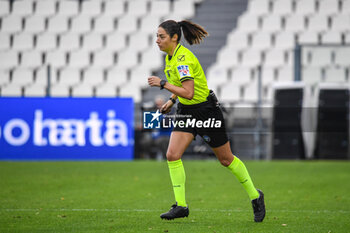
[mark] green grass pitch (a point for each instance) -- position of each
(301, 196)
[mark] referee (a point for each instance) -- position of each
(198, 113)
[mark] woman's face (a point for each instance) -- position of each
(165, 43)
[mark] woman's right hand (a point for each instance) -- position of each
(166, 107)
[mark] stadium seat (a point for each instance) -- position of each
(79, 59)
(318, 23)
(328, 7)
(250, 93)
(340, 22)
(5, 41)
(285, 40)
(127, 24)
(282, 7)
(321, 56)
(69, 77)
(308, 37)
(331, 37)
(305, 7)
(31, 59)
(275, 58)
(83, 90)
(114, 8)
(106, 90)
(91, 8)
(35, 91)
(46, 8)
(92, 42)
(4, 77)
(159, 8)
(58, 23)
(23, 41)
(261, 40)
(116, 41)
(129, 90)
(238, 40)
(227, 57)
(41, 76)
(149, 24)
(104, 24)
(268, 76)
(216, 76)
(8, 59)
(60, 91)
(183, 8)
(139, 76)
(22, 77)
(251, 58)
(342, 56)
(258, 7)
(285, 74)
(103, 59)
(56, 58)
(4, 8)
(127, 59)
(295, 23)
(312, 75)
(345, 7)
(139, 41)
(93, 77)
(34, 24)
(68, 8)
(241, 76)
(151, 58)
(248, 23)
(46, 42)
(272, 23)
(69, 42)
(81, 24)
(137, 8)
(11, 90)
(335, 74)
(11, 24)
(22, 8)
(230, 92)
(347, 38)
(117, 76)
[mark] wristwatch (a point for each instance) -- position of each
(162, 83)
(172, 100)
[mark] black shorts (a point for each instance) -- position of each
(204, 119)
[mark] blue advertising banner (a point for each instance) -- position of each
(66, 129)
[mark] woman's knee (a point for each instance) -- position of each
(172, 155)
(225, 162)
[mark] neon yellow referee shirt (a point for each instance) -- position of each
(184, 65)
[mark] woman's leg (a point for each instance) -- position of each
(237, 167)
(178, 143)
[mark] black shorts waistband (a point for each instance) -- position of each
(193, 106)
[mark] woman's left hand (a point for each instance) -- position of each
(154, 81)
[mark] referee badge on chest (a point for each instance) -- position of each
(184, 71)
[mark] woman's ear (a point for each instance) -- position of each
(174, 38)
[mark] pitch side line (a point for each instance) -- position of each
(149, 210)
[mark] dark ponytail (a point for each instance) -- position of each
(193, 33)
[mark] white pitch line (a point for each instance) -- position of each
(197, 210)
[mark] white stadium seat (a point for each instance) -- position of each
(285, 74)
(8, 59)
(127, 24)
(106, 90)
(282, 7)
(248, 23)
(83, 90)
(46, 42)
(251, 58)
(321, 56)
(272, 23)
(238, 40)
(4, 8)
(342, 56)
(22, 8)
(127, 59)
(261, 40)
(241, 76)
(137, 8)
(116, 41)
(139, 41)
(275, 58)
(129, 90)
(23, 41)
(79, 59)
(331, 37)
(305, 7)
(11, 24)
(11, 90)
(35, 91)
(91, 8)
(104, 24)
(56, 58)
(92, 42)
(149, 23)
(69, 42)
(103, 58)
(159, 8)
(114, 8)
(46, 8)
(68, 8)
(335, 74)
(308, 37)
(328, 7)
(259, 7)
(93, 76)
(5, 41)
(151, 58)
(295, 23)
(58, 23)
(22, 77)
(31, 59)
(346, 7)
(285, 40)
(340, 22)
(60, 91)
(230, 92)
(81, 24)
(216, 76)
(139, 76)
(117, 76)
(311, 75)
(318, 23)
(69, 77)
(183, 8)
(4, 77)
(227, 57)
(34, 24)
